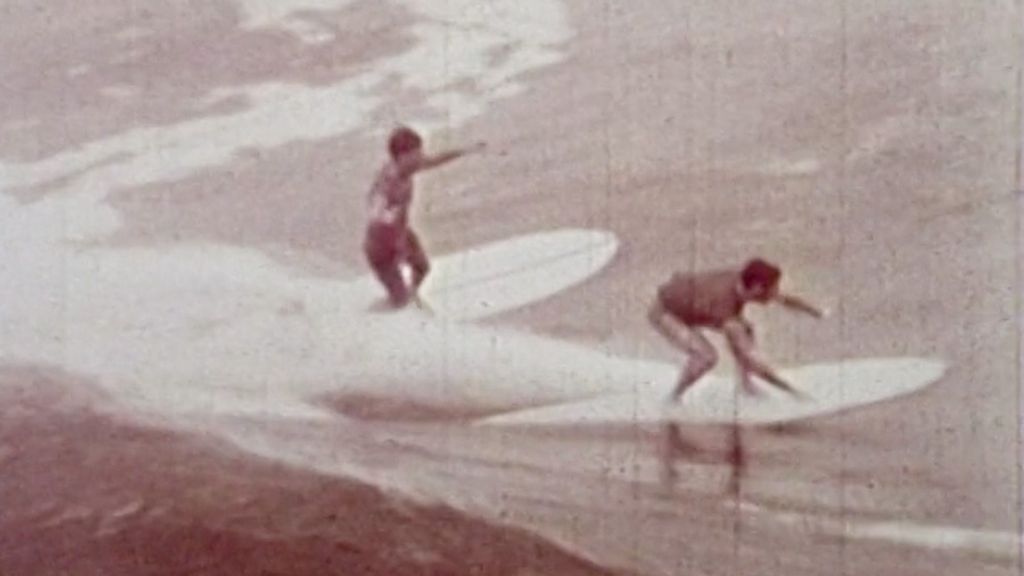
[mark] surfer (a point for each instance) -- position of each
(689, 303)
(390, 244)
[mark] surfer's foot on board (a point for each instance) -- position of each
(420, 303)
(394, 304)
(675, 397)
(750, 390)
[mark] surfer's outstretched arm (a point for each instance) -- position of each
(742, 347)
(800, 305)
(430, 162)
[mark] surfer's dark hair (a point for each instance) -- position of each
(758, 272)
(402, 140)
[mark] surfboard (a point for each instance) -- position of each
(504, 275)
(833, 388)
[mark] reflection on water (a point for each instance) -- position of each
(677, 449)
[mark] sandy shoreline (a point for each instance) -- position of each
(86, 494)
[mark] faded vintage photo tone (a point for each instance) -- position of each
(510, 287)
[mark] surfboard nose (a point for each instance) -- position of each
(510, 274)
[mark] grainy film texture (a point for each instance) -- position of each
(399, 287)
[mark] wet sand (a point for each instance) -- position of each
(87, 493)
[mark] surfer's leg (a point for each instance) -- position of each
(391, 277)
(417, 259)
(385, 264)
(658, 316)
(746, 377)
(702, 357)
(701, 354)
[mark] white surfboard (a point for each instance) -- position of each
(834, 388)
(504, 275)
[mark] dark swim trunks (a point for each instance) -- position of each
(387, 248)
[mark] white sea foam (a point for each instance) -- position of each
(187, 326)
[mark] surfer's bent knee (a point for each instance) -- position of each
(656, 313)
(704, 359)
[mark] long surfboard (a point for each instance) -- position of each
(504, 275)
(832, 387)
